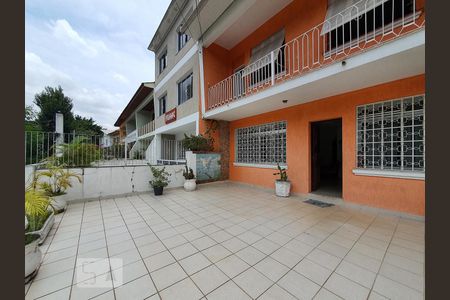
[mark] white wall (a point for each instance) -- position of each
(109, 181)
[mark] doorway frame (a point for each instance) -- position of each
(310, 156)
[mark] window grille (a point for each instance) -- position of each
(391, 135)
(261, 144)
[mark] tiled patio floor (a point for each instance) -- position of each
(226, 241)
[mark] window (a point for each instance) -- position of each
(185, 89)
(261, 144)
(162, 105)
(391, 135)
(264, 74)
(162, 62)
(183, 38)
(259, 70)
(358, 21)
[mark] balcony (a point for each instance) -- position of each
(341, 37)
(131, 137)
(146, 129)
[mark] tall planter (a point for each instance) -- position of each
(33, 256)
(59, 203)
(45, 229)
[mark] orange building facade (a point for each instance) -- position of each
(327, 89)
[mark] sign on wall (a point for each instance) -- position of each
(170, 116)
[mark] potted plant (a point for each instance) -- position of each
(160, 180)
(189, 183)
(33, 255)
(36, 206)
(57, 182)
(39, 213)
(282, 185)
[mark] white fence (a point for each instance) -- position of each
(172, 152)
(110, 181)
(366, 24)
(75, 150)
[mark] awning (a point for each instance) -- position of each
(259, 53)
(340, 12)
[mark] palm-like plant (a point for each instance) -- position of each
(36, 203)
(59, 179)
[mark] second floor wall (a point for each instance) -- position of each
(301, 24)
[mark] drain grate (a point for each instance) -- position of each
(318, 203)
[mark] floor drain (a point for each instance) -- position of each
(318, 203)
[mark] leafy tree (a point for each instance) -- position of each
(30, 119)
(30, 113)
(86, 126)
(51, 101)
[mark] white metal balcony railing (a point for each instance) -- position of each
(172, 151)
(364, 25)
(147, 128)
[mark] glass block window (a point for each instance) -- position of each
(391, 135)
(261, 144)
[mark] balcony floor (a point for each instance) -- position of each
(227, 241)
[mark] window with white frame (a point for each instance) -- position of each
(391, 135)
(183, 38)
(162, 105)
(162, 62)
(262, 144)
(185, 89)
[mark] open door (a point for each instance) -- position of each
(315, 169)
(326, 157)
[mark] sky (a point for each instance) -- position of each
(96, 50)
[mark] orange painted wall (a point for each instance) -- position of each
(296, 18)
(404, 195)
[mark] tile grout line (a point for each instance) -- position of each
(384, 256)
(40, 265)
(167, 249)
(107, 251)
(46, 251)
(304, 256)
(137, 249)
(76, 254)
(343, 258)
(382, 261)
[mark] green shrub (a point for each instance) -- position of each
(79, 153)
(160, 177)
(31, 237)
(282, 173)
(188, 174)
(59, 178)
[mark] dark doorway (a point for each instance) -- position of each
(326, 158)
